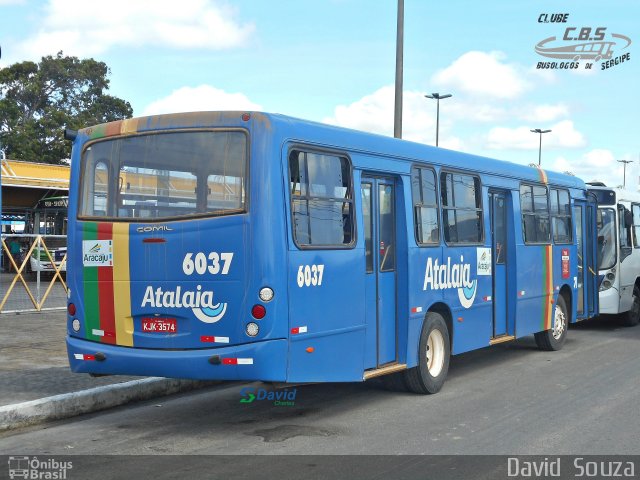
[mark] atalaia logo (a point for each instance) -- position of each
(199, 301)
(457, 274)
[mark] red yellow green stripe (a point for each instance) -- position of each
(543, 176)
(547, 288)
(105, 291)
(119, 127)
(107, 298)
(90, 284)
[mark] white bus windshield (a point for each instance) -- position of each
(165, 175)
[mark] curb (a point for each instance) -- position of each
(71, 404)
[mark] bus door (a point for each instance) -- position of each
(499, 239)
(580, 216)
(591, 256)
(379, 213)
(584, 214)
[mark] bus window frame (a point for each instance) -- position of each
(522, 214)
(414, 205)
(314, 149)
(195, 216)
(635, 239)
(444, 171)
(616, 241)
(557, 191)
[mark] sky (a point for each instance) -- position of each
(333, 61)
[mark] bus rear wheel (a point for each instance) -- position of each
(554, 338)
(632, 317)
(434, 353)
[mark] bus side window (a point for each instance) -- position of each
(560, 215)
(461, 208)
(321, 199)
(425, 206)
(625, 221)
(534, 206)
(635, 231)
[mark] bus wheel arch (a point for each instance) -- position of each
(631, 318)
(554, 338)
(434, 354)
(566, 294)
(445, 313)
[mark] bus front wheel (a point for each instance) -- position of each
(554, 338)
(434, 352)
(632, 317)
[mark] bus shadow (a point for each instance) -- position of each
(318, 409)
(607, 323)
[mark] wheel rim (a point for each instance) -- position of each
(435, 353)
(559, 323)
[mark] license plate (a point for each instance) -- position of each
(160, 325)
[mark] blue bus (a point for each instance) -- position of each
(254, 246)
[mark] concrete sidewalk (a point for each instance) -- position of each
(37, 385)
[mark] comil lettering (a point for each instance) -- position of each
(441, 277)
(177, 298)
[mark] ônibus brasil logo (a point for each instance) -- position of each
(280, 398)
(199, 301)
(445, 276)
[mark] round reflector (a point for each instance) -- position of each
(258, 312)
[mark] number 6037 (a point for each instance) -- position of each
(310, 275)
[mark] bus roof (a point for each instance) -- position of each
(328, 135)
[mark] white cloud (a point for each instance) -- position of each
(482, 73)
(599, 165)
(544, 113)
(374, 113)
(201, 98)
(563, 135)
(196, 24)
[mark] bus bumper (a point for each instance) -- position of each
(609, 301)
(265, 360)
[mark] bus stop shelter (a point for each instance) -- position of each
(34, 215)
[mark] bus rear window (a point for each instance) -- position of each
(165, 175)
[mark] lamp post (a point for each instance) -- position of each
(438, 97)
(537, 130)
(397, 118)
(624, 171)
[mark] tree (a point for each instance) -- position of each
(39, 100)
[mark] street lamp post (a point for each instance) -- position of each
(397, 117)
(624, 171)
(537, 130)
(438, 97)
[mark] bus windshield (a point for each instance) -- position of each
(606, 222)
(165, 175)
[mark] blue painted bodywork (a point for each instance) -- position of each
(334, 320)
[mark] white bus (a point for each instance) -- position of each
(618, 221)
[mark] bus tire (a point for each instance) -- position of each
(554, 338)
(632, 317)
(434, 352)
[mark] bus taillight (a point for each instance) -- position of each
(258, 312)
(71, 308)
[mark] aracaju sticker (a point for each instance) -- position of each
(97, 253)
